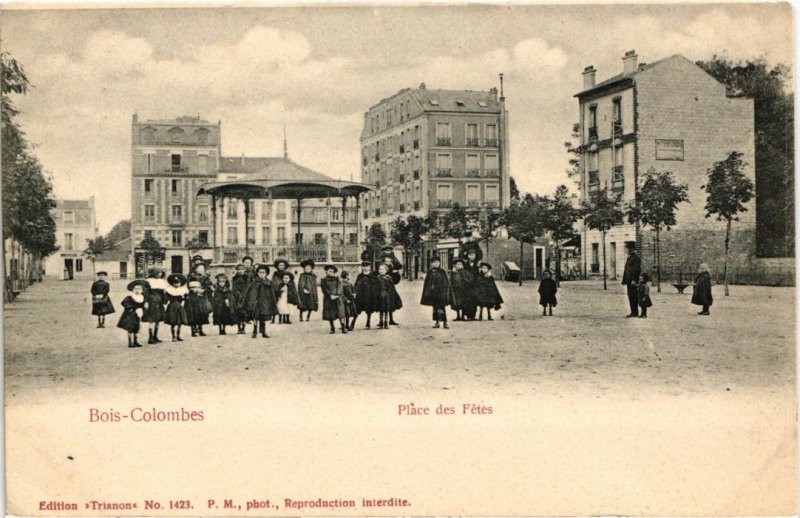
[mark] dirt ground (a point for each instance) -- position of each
(592, 413)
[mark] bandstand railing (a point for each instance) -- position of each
(292, 252)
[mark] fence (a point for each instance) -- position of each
(753, 273)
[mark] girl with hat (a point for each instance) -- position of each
(461, 282)
(285, 296)
(307, 290)
(134, 308)
(101, 302)
(488, 294)
(198, 303)
(436, 291)
(365, 291)
(383, 298)
(175, 314)
(349, 296)
(238, 287)
(281, 265)
(154, 303)
(394, 267)
(547, 293)
(223, 304)
(259, 301)
(332, 298)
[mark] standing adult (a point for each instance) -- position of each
(701, 296)
(469, 304)
(437, 292)
(630, 278)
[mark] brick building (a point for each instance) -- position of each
(425, 150)
(75, 224)
(672, 116)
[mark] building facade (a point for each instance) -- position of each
(76, 223)
(669, 115)
(426, 150)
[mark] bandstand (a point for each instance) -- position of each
(285, 180)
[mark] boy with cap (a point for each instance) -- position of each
(436, 291)
(101, 302)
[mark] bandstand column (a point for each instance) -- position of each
(328, 240)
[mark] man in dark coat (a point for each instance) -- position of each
(630, 278)
(473, 266)
(461, 282)
(701, 295)
(436, 291)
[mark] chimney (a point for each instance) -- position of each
(588, 77)
(422, 86)
(629, 62)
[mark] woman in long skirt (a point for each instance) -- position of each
(101, 302)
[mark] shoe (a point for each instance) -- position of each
(180, 339)
(264, 335)
(642, 316)
(704, 313)
(489, 318)
(201, 333)
(332, 332)
(367, 326)
(445, 325)
(631, 316)
(436, 325)
(393, 323)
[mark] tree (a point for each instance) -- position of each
(455, 223)
(119, 232)
(728, 190)
(602, 212)
(575, 151)
(656, 201)
(525, 221)
(410, 234)
(96, 247)
(560, 222)
(375, 240)
(152, 249)
(194, 245)
(774, 145)
(513, 189)
(487, 224)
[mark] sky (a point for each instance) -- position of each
(317, 69)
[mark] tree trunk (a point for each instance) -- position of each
(521, 256)
(727, 244)
(658, 256)
(605, 281)
(558, 264)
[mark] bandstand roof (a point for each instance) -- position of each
(283, 179)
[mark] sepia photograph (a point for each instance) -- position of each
(399, 260)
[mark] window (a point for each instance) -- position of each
(492, 165)
(593, 121)
(617, 112)
(266, 209)
(444, 195)
(176, 163)
(417, 191)
(176, 135)
(473, 195)
(201, 136)
(492, 195)
(619, 161)
(443, 135)
(148, 234)
(148, 136)
(69, 217)
(595, 258)
(78, 265)
(149, 212)
(491, 135)
(444, 165)
(202, 236)
(202, 163)
(336, 215)
(472, 135)
(232, 212)
(593, 161)
(352, 238)
(233, 236)
(175, 186)
(251, 209)
(177, 238)
(281, 210)
(319, 215)
(69, 243)
(473, 165)
(177, 213)
(416, 137)
(251, 235)
(202, 213)
(265, 236)
(281, 235)
(319, 239)
(148, 186)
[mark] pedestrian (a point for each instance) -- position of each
(644, 295)
(239, 285)
(223, 304)
(101, 302)
(469, 304)
(461, 283)
(394, 268)
(154, 303)
(134, 308)
(383, 299)
(307, 290)
(630, 278)
(701, 295)
(333, 306)
(436, 292)
(175, 314)
(488, 296)
(259, 301)
(365, 292)
(547, 293)
(281, 265)
(285, 296)
(349, 296)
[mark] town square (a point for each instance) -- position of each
(473, 260)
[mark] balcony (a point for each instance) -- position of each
(444, 204)
(416, 174)
(473, 203)
(176, 169)
(617, 128)
(491, 142)
(473, 142)
(493, 173)
(415, 144)
(444, 141)
(594, 177)
(444, 173)
(293, 252)
(473, 173)
(593, 133)
(491, 203)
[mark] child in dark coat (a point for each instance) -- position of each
(239, 285)
(365, 292)
(547, 293)
(259, 301)
(488, 296)
(154, 303)
(332, 298)
(101, 302)
(701, 294)
(461, 283)
(285, 296)
(223, 303)
(134, 308)
(175, 314)
(307, 290)
(436, 292)
(197, 307)
(643, 290)
(384, 301)
(349, 296)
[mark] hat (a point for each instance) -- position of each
(279, 261)
(344, 274)
(331, 267)
(387, 248)
(195, 284)
(547, 273)
(198, 259)
(435, 257)
(221, 275)
(262, 267)
(176, 277)
(138, 282)
(307, 262)
(287, 272)
(489, 266)
(366, 263)
(458, 260)
(240, 265)
(387, 253)
(102, 272)
(245, 258)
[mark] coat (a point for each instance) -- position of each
(547, 292)
(461, 282)
(633, 270)
(436, 291)
(291, 293)
(155, 312)
(644, 295)
(307, 301)
(175, 314)
(701, 295)
(239, 284)
(383, 299)
(397, 302)
(366, 291)
(130, 320)
(332, 309)
(197, 308)
(206, 283)
(259, 301)
(101, 302)
(349, 294)
(223, 303)
(488, 296)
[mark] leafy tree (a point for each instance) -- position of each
(774, 145)
(119, 232)
(728, 190)
(152, 250)
(486, 224)
(575, 151)
(96, 247)
(525, 221)
(602, 212)
(375, 240)
(657, 199)
(410, 234)
(513, 189)
(455, 223)
(560, 222)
